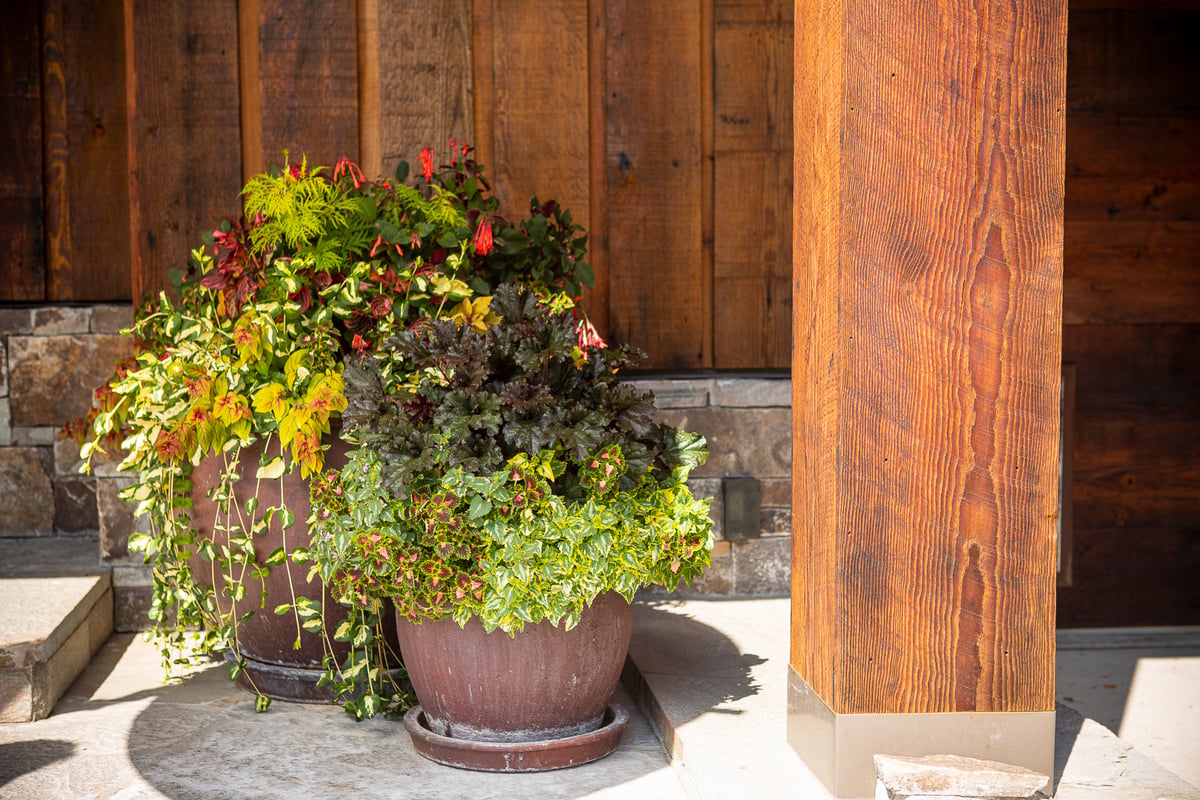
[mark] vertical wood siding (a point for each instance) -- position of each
(1132, 312)
(22, 241)
(662, 126)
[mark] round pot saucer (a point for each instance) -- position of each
(517, 756)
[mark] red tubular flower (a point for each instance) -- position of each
(427, 163)
(483, 237)
(348, 167)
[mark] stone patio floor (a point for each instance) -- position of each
(711, 674)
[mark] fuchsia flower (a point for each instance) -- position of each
(348, 167)
(427, 163)
(588, 335)
(483, 237)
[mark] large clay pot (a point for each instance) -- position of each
(272, 665)
(537, 700)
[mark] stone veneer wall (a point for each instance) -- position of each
(51, 360)
(748, 424)
(53, 357)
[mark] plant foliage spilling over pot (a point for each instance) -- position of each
(506, 474)
(507, 482)
(322, 266)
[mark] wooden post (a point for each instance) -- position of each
(929, 144)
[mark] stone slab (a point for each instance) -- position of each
(60, 320)
(777, 492)
(53, 377)
(15, 321)
(28, 496)
(3, 368)
(676, 393)
(743, 441)
(775, 521)
(5, 423)
(751, 393)
(762, 567)
(75, 505)
(49, 558)
(948, 775)
(40, 436)
(49, 628)
(114, 518)
(111, 318)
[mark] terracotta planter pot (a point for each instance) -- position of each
(539, 700)
(266, 639)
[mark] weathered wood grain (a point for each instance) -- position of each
(184, 133)
(425, 77)
(97, 172)
(22, 253)
(931, 350)
(1136, 476)
(308, 68)
(1131, 272)
(540, 94)
(55, 154)
(1134, 61)
(654, 182)
(820, 74)
(1135, 577)
(370, 124)
(1127, 167)
(596, 299)
(1131, 366)
(752, 310)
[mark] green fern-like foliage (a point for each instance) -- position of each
(296, 206)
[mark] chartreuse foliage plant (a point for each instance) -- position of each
(323, 266)
(508, 476)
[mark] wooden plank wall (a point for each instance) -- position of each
(662, 126)
(1132, 311)
(22, 250)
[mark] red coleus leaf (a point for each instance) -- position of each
(215, 280)
(380, 305)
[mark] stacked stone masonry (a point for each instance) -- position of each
(52, 358)
(747, 422)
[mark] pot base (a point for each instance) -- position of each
(539, 756)
(290, 684)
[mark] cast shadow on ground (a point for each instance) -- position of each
(202, 739)
(672, 646)
(21, 758)
(1067, 724)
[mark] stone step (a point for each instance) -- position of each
(56, 609)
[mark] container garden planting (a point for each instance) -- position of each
(232, 402)
(510, 496)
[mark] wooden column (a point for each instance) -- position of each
(929, 156)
